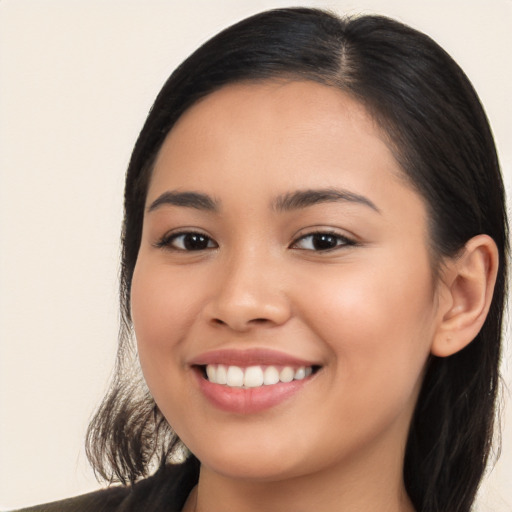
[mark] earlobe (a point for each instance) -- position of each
(469, 280)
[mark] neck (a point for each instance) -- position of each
(359, 485)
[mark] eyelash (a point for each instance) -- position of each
(167, 241)
(341, 241)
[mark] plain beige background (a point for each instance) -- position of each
(77, 78)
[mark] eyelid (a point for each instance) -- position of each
(347, 241)
(165, 242)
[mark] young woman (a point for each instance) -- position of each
(314, 268)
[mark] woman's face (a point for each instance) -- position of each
(280, 241)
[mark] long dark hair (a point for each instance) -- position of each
(441, 138)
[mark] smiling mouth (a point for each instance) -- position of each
(256, 376)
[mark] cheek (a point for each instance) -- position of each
(162, 310)
(378, 325)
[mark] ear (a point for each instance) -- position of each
(468, 284)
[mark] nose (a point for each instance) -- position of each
(249, 292)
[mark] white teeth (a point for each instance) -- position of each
(286, 374)
(270, 376)
(300, 373)
(235, 377)
(254, 376)
(221, 374)
(211, 372)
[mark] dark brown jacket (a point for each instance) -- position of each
(165, 491)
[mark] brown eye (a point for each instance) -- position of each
(188, 242)
(322, 242)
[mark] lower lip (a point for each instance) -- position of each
(248, 400)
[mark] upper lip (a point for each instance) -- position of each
(249, 357)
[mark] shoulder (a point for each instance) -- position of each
(105, 500)
(167, 490)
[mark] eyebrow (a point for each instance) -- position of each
(285, 202)
(304, 198)
(187, 199)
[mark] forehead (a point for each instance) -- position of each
(279, 105)
(277, 124)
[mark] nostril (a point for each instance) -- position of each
(244, 310)
(218, 321)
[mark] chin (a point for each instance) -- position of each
(252, 461)
(266, 469)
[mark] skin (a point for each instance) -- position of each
(367, 311)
